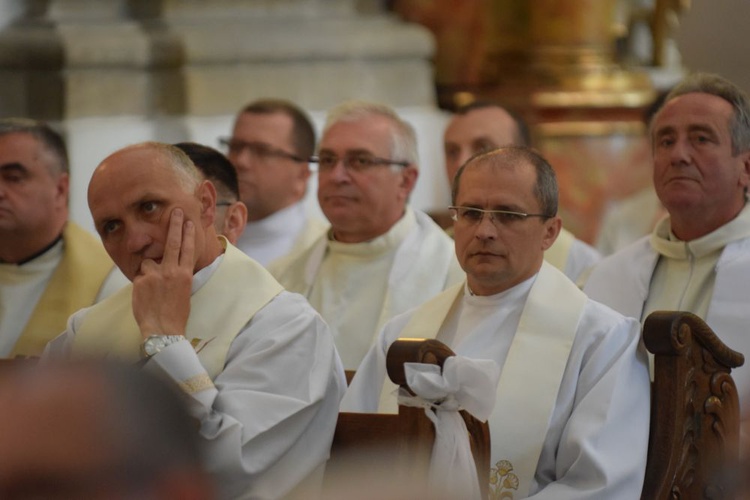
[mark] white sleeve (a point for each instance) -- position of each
(363, 394)
(597, 443)
(268, 418)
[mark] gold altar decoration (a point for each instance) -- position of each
(557, 63)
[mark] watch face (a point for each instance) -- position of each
(153, 345)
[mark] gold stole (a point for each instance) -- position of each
(558, 253)
(74, 285)
(526, 393)
(219, 310)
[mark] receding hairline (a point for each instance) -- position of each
(180, 163)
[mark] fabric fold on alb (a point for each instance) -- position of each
(464, 384)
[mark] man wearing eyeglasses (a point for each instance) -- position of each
(483, 126)
(231, 213)
(380, 257)
(271, 143)
(571, 415)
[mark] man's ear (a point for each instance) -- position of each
(745, 173)
(409, 177)
(206, 193)
(552, 227)
(62, 188)
(235, 220)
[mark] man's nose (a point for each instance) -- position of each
(486, 228)
(137, 239)
(339, 172)
(679, 153)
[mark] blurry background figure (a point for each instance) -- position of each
(231, 213)
(271, 143)
(628, 219)
(91, 430)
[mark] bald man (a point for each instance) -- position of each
(257, 363)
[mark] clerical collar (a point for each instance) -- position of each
(37, 254)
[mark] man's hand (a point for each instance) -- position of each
(161, 292)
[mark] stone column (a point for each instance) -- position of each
(114, 72)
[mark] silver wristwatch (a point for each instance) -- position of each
(155, 343)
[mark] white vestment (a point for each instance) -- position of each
(268, 417)
(596, 441)
(623, 281)
(288, 231)
(357, 287)
(22, 288)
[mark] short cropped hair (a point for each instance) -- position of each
(522, 135)
(187, 173)
(303, 132)
(545, 187)
(707, 83)
(403, 136)
(45, 134)
(215, 167)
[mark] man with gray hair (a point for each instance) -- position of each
(257, 363)
(49, 266)
(698, 258)
(380, 256)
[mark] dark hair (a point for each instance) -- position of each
(214, 166)
(45, 134)
(707, 83)
(522, 133)
(303, 132)
(545, 187)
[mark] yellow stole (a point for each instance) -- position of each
(238, 289)
(74, 284)
(558, 253)
(526, 393)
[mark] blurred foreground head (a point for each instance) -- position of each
(92, 430)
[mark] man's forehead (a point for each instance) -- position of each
(698, 106)
(490, 120)
(272, 128)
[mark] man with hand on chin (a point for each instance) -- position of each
(257, 363)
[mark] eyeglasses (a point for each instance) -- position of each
(354, 162)
(259, 150)
(473, 216)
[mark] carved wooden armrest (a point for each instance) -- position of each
(695, 409)
(405, 350)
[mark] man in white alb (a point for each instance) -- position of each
(49, 266)
(571, 418)
(271, 144)
(380, 256)
(483, 126)
(698, 258)
(257, 363)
